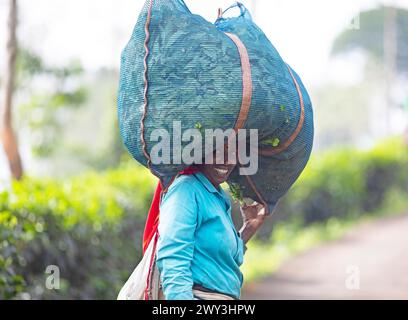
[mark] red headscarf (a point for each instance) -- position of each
(152, 221)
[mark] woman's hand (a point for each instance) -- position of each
(253, 216)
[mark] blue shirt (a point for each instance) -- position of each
(198, 242)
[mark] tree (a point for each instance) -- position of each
(383, 36)
(44, 112)
(7, 134)
(377, 24)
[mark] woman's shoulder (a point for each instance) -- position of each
(187, 181)
(183, 186)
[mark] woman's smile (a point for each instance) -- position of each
(221, 171)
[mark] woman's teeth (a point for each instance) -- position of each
(221, 171)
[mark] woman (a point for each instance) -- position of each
(199, 251)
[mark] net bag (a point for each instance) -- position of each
(180, 68)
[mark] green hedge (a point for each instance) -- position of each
(91, 226)
(345, 183)
(352, 182)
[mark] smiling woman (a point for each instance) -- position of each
(224, 76)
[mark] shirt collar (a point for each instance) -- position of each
(211, 188)
(207, 183)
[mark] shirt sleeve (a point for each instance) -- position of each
(175, 247)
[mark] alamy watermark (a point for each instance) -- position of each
(52, 282)
(353, 278)
(354, 23)
(186, 147)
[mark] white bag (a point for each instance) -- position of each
(144, 282)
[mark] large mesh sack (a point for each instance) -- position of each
(179, 67)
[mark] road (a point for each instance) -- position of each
(370, 262)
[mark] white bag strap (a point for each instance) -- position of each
(153, 279)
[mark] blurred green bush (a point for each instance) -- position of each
(344, 183)
(91, 226)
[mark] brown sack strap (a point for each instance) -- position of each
(246, 82)
(270, 151)
(247, 88)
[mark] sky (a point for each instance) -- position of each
(95, 31)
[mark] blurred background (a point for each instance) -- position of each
(71, 197)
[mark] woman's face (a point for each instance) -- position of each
(219, 171)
